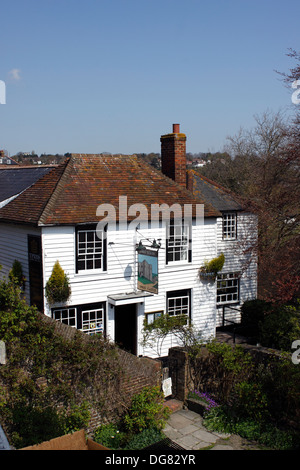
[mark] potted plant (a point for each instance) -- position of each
(57, 287)
(210, 269)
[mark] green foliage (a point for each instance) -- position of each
(144, 439)
(57, 287)
(17, 319)
(213, 267)
(263, 402)
(48, 381)
(16, 273)
(251, 401)
(146, 411)
(252, 314)
(222, 420)
(280, 327)
(33, 425)
(110, 436)
(216, 264)
(76, 417)
(232, 359)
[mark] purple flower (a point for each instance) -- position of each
(209, 402)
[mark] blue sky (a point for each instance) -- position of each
(114, 75)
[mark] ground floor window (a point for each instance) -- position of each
(89, 318)
(93, 321)
(150, 317)
(179, 303)
(65, 315)
(228, 288)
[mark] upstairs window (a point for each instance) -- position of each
(90, 249)
(229, 226)
(178, 242)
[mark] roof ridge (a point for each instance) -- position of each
(57, 190)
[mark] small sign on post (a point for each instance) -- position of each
(2, 353)
(167, 387)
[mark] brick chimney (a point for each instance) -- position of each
(173, 155)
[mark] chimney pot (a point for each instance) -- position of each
(176, 128)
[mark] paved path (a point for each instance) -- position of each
(185, 428)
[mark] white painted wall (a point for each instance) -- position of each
(121, 277)
(237, 261)
(13, 245)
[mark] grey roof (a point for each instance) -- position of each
(219, 197)
(15, 180)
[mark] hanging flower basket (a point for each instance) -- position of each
(209, 271)
(204, 276)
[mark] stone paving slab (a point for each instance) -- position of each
(185, 428)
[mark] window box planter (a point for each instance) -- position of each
(209, 277)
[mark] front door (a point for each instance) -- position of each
(126, 327)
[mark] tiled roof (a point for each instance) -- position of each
(14, 179)
(221, 198)
(29, 205)
(71, 193)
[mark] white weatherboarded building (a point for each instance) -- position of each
(94, 214)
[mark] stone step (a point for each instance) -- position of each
(173, 404)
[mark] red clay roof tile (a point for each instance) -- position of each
(71, 193)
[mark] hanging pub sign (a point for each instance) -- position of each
(148, 270)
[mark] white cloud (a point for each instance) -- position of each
(15, 74)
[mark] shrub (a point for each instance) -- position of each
(280, 327)
(57, 287)
(252, 314)
(146, 411)
(251, 401)
(16, 273)
(109, 436)
(144, 439)
(17, 318)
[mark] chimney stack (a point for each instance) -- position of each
(173, 155)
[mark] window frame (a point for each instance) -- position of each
(230, 277)
(90, 330)
(176, 295)
(156, 314)
(229, 230)
(62, 309)
(85, 250)
(79, 311)
(180, 247)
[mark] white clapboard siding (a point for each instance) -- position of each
(121, 274)
(240, 258)
(14, 246)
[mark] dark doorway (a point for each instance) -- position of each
(126, 327)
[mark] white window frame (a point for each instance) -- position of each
(64, 316)
(178, 242)
(229, 284)
(95, 325)
(179, 307)
(229, 226)
(89, 250)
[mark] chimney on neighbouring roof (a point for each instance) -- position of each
(173, 155)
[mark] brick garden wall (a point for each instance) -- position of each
(137, 372)
(207, 375)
